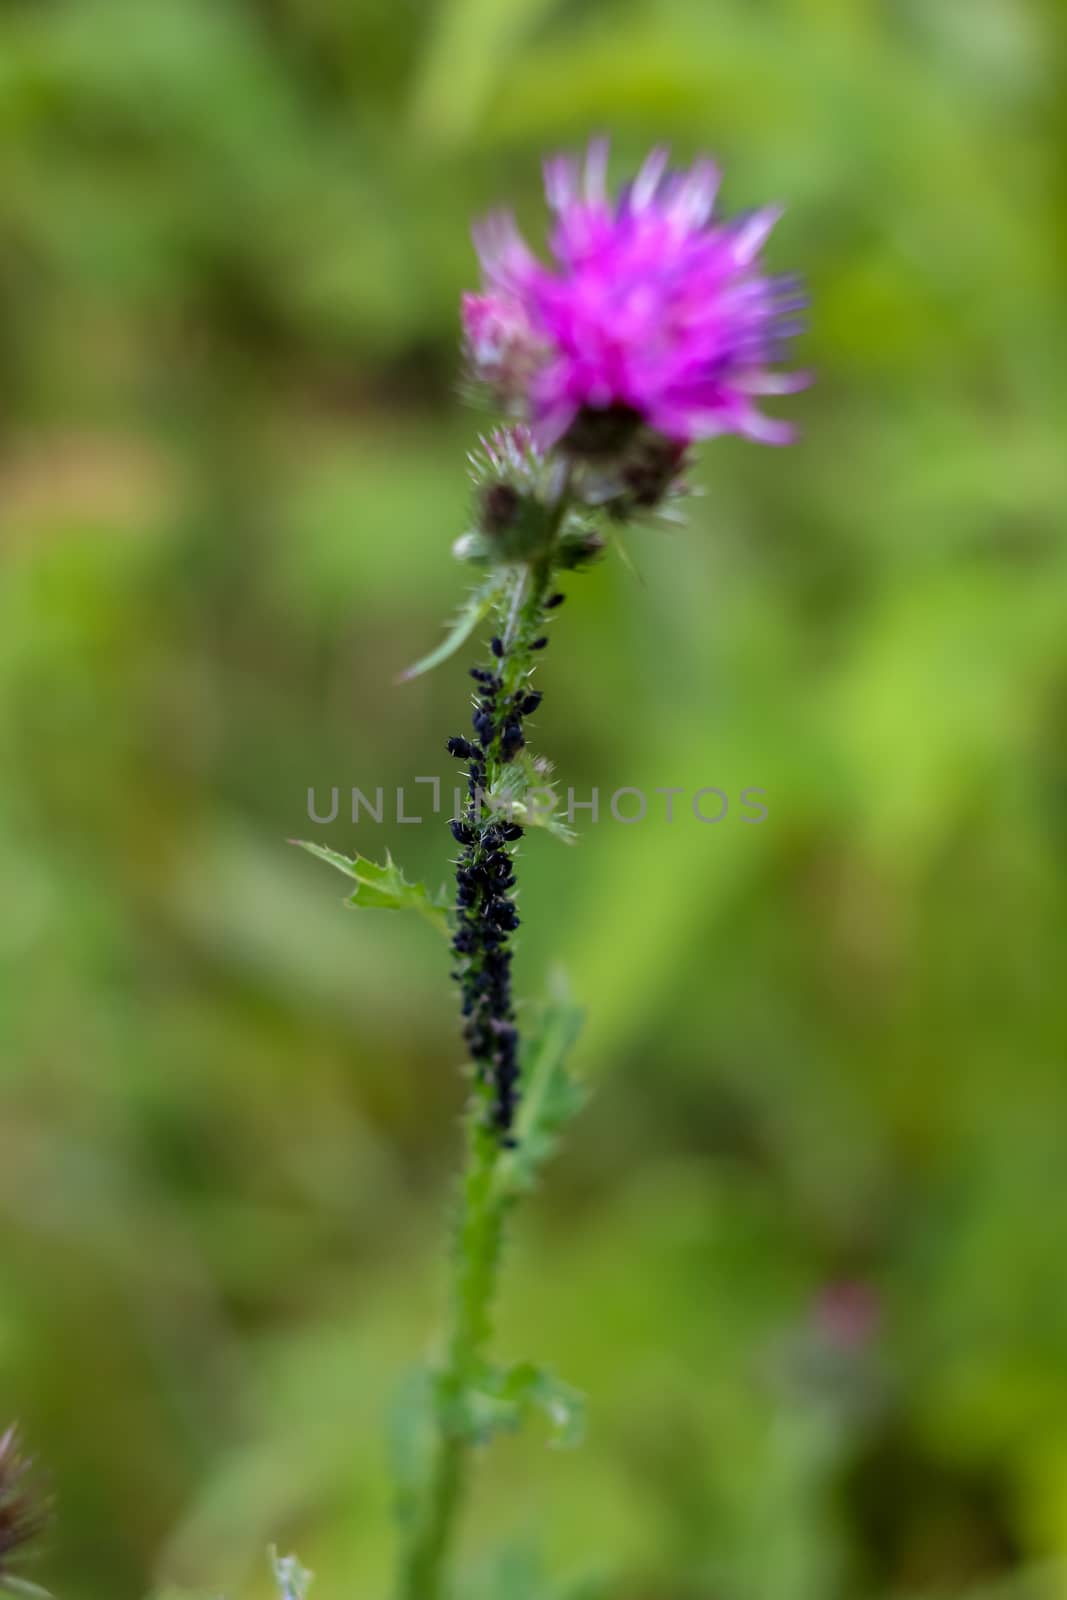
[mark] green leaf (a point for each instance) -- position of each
(527, 792)
(502, 1399)
(383, 887)
(551, 1096)
(411, 1434)
(477, 604)
(292, 1579)
(543, 817)
(534, 1388)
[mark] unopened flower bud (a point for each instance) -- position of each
(514, 508)
(579, 544)
(652, 469)
(501, 507)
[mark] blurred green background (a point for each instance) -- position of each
(806, 1248)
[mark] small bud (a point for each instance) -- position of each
(515, 502)
(579, 545)
(554, 600)
(496, 645)
(651, 472)
(501, 507)
(539, 644)
(460, 832)
(462, 749)
(530, 702)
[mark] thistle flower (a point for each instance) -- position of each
(654, 315)
(22, 1514)
(654, 327)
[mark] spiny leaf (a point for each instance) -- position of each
(526, 790)
(535, 1388)
(551, 1096)
(501, 1400)
(627, 559)
(471, 613)
(534, 816)
(384, 887)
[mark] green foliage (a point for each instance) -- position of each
(527, 793)
(383, 887)
(525, 1389)
(498, 1400)
(474, 609)
(551, 1096)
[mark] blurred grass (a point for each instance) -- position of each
(828, 1052)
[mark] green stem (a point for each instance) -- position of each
(483, 1204)
(475, 1269)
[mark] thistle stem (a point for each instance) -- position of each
(475, 1264)
(482, 944)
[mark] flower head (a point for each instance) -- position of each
(654, 313)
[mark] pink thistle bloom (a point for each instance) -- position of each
(653, 311)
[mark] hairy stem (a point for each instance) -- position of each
(485, 920)
(477, 1253)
